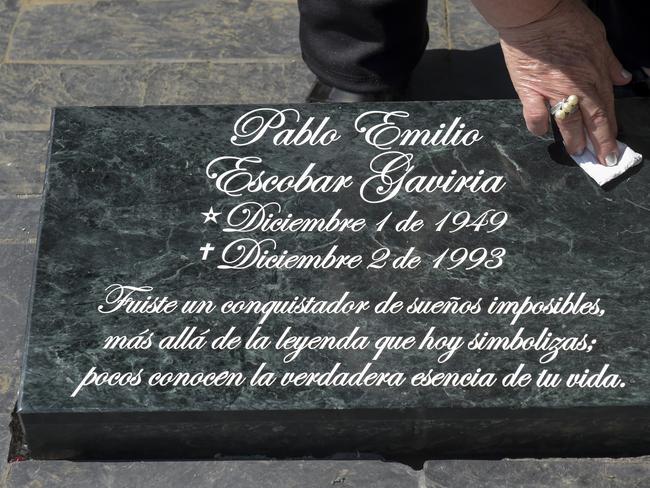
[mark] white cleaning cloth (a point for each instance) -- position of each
(603, 174)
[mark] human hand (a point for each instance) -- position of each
(566, 53)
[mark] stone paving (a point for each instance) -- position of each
(152, 52)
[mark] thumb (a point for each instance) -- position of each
(619, 75)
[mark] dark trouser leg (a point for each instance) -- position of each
(628, 29)
(363, 45)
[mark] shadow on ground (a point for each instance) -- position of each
(453, 74)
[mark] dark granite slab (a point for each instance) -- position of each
(125, 191)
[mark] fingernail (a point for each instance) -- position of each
(574, 154)
(626, 74)
(611, 159)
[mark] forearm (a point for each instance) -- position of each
(502, 14)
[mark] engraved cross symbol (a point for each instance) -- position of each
(207, 249)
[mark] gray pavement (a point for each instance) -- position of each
(149, 52)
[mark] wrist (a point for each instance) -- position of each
(508, 14)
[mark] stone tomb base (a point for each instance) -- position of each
(392, 434)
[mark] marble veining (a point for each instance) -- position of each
(125, 192)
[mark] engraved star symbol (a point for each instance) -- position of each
(210, 215)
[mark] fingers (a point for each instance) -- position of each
(606, 95)
(535, 113)
(618, 74)
(595, 122)
(599, 114)
(573, 132)
(600, 122)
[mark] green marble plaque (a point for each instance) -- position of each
(523, 324)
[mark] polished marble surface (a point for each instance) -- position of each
(125, 192)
